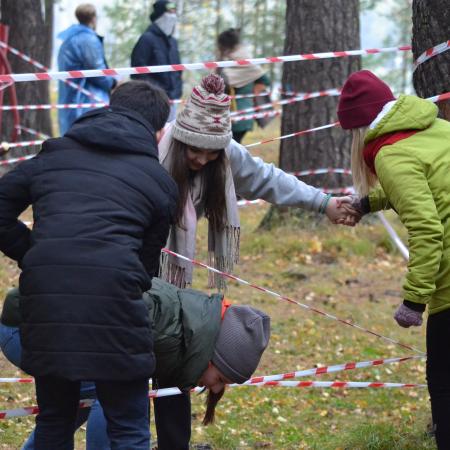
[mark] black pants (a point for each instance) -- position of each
(173, 422)
(125, 404)
(438, 375)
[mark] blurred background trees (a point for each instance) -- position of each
(30, 31)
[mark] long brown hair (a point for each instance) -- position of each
(211, 403)
(213, 185)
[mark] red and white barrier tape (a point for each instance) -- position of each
(307, 95)
(33, 132)
(329, 369)
(42, 67)
(261, 115)
(4, 86)
(5, 162)
(297, 133)
(62, 75)
(288, 101)
(440, 97)
(428, 54)
(337, 384)
(9, 145)
(290, 300)
(303, 173)
(52, 106)
(28, 411)
(288, 375)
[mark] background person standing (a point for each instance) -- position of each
(157, 47)
(82, 48)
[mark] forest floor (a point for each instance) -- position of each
(355, 274)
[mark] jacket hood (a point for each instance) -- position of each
(115, 129)
(73, 30)
(408, 113)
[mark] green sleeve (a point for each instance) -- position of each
(378, 200)
(403, 179)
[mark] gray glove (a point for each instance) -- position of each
(407, 317)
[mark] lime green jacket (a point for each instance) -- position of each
(414, 175)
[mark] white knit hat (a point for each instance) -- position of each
(205, 120)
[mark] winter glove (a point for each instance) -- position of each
(407, 317)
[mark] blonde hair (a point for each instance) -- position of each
(363, 179)
(85, 13)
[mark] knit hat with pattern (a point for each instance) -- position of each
(205, 120)
(244, 335)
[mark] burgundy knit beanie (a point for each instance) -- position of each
(205, 121)
(363, 97)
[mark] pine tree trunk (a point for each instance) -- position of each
(31, 30)
(309, 29)
(431, 19)
(218, 18)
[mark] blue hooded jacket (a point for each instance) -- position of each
(82, 48)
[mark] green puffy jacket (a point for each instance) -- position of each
(414, 177)
(185, 325)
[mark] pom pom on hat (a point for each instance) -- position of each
(363, 97)
(205, 120)
(213, 84)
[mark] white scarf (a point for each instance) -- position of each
(167, 23)
(240, 76)
(223, 246)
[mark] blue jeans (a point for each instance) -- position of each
(125, 405)
(96, 436)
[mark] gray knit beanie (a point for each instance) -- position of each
(205, 120)
(243, 337)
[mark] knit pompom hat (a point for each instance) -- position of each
(363, 97)
(205, 120)
(244, 335)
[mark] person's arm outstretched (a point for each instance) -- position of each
(254, 179)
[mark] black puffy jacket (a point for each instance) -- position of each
(154, 48)
(102, 207)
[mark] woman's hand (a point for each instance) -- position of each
(340, 211)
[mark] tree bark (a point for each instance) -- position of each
(431, 19)
(310, 29)
(31, 32)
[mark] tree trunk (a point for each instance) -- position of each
(431, 19)
(31, 31)
(218, 18)
(310, 29)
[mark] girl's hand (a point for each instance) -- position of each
(340, 211)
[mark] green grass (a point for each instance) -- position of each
(352, 273)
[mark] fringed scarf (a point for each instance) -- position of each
(223, 245)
